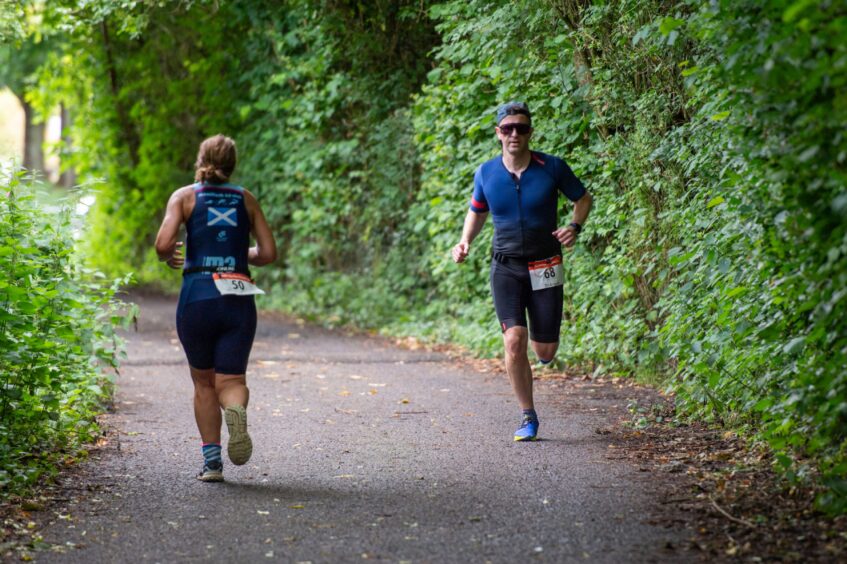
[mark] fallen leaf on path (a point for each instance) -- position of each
(297, 506)
(266, 362)
(260, 512)
(345, 476)
(376, 385)
(404, 400)
(372, 392)
(355, 377)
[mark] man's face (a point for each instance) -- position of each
(513, 142)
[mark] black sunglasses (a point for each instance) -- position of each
(521, 128)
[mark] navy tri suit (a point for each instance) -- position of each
(216, 330)
(525, 213)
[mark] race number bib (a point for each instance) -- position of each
(546, 273)
(232, 283)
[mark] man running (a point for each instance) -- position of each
(520, 189)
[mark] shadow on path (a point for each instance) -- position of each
(363, 451)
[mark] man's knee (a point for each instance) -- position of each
(515, 339)
(545, 351)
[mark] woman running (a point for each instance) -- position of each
(216, 315)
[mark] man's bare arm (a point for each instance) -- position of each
(582, 207)
(473, 225)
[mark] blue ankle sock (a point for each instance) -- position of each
(545, 362)
(212, 454)
(530, 414)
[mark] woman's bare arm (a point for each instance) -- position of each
(265, 250)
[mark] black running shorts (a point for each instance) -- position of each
(218, 333)
(514, 299)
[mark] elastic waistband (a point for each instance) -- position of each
(503, 259)
(210, 270)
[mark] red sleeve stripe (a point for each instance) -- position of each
(538, 159)
(478, 205)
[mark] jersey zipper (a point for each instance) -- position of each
(520, 213)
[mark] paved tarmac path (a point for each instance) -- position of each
(363, 452)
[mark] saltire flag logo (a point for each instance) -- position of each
(222, 216)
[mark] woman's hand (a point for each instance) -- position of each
(177, 259)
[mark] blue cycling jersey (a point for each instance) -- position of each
(524, 211)
(217, 239)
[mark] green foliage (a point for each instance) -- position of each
(145, 85)
(770, 334)
(332, 156)
(11, 18)
(712, 136)
(56, 336)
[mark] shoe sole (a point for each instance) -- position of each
(525, 439)
(240, 446)
(211, 476)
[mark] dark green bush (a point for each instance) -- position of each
(58, 347)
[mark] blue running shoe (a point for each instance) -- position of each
(528, 430)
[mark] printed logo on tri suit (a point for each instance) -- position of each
(224, 264)
(226, 217)
(218, 231)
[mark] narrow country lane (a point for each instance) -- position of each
(364, 451)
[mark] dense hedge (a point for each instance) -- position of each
(56, 335)
(711, 134)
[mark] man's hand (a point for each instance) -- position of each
(460, 251)
(566, 236)
(177, 260)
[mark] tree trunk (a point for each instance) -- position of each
(68, 177)
(33, 140)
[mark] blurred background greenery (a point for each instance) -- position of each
(711, 134)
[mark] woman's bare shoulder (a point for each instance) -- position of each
(183, 191)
